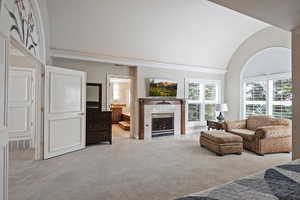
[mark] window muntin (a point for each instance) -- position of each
(256, 91)
(210, 111)
(194, 91)
(256, 96)
(201, 98)
(194, 112)
(282, 98)
(270, 96)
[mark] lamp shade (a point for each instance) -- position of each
(221, 107)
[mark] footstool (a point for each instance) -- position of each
(221, 142)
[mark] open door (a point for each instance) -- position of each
(65, 113)
(21, 104)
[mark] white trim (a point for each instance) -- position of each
(98, 57)
(22, 49)
(269, 77)
(5, 172)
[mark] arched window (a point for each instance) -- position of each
(267, 84)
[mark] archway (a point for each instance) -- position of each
(22, 28)
(266, 85)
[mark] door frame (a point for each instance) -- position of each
(132, 98)
(39, 69)
(3, 127)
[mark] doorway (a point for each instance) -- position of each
(119, 101)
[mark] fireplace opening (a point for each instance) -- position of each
(162, 124)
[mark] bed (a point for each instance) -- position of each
(277, 183)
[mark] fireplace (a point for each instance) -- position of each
(162, 124)
(161, 116)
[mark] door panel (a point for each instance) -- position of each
(19, 85)
(65, 133)
(65, 93)
(65, 99)
(21, 104)
(18, 119)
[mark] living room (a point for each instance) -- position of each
(211, 100)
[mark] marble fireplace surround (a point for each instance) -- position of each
(149, 106)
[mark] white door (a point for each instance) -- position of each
(3, 118)
(21, 104)
(65, 99)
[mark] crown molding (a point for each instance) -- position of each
(97, 57)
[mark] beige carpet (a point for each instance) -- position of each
(163, 168)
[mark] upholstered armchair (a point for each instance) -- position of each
(263, 134)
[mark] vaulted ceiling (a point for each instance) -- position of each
(189, 32)
(281, 13)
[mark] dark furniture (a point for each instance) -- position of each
(215, 125)
(98, 127)
(98, 123)
(94, 96)
(117, 110)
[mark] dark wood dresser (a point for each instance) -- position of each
(98, 123)
(98, 126)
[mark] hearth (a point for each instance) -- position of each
(162, 124)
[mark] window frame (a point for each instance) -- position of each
(269, 79)
(201, 100)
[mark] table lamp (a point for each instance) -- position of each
(221, 108)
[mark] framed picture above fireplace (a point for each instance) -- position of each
(162, 88)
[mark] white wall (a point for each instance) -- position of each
(96, 72)
(296, 94)
(144, 73)
(267, 38)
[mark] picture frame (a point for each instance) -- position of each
(162, 87)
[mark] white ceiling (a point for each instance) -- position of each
(282, 13)
(189, 32)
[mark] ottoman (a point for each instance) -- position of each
(221, 142)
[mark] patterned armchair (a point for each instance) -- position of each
(263, 134)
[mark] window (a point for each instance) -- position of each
(282, 98)
(116, 91)
(194, 106)
(202, 96)
(210, 101)
(270, 95)
(255, 98)
(194, 111)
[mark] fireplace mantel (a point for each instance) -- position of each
(160, 103)
(154, 101)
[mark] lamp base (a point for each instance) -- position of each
(220, 117)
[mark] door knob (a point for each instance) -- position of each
(81, 114)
